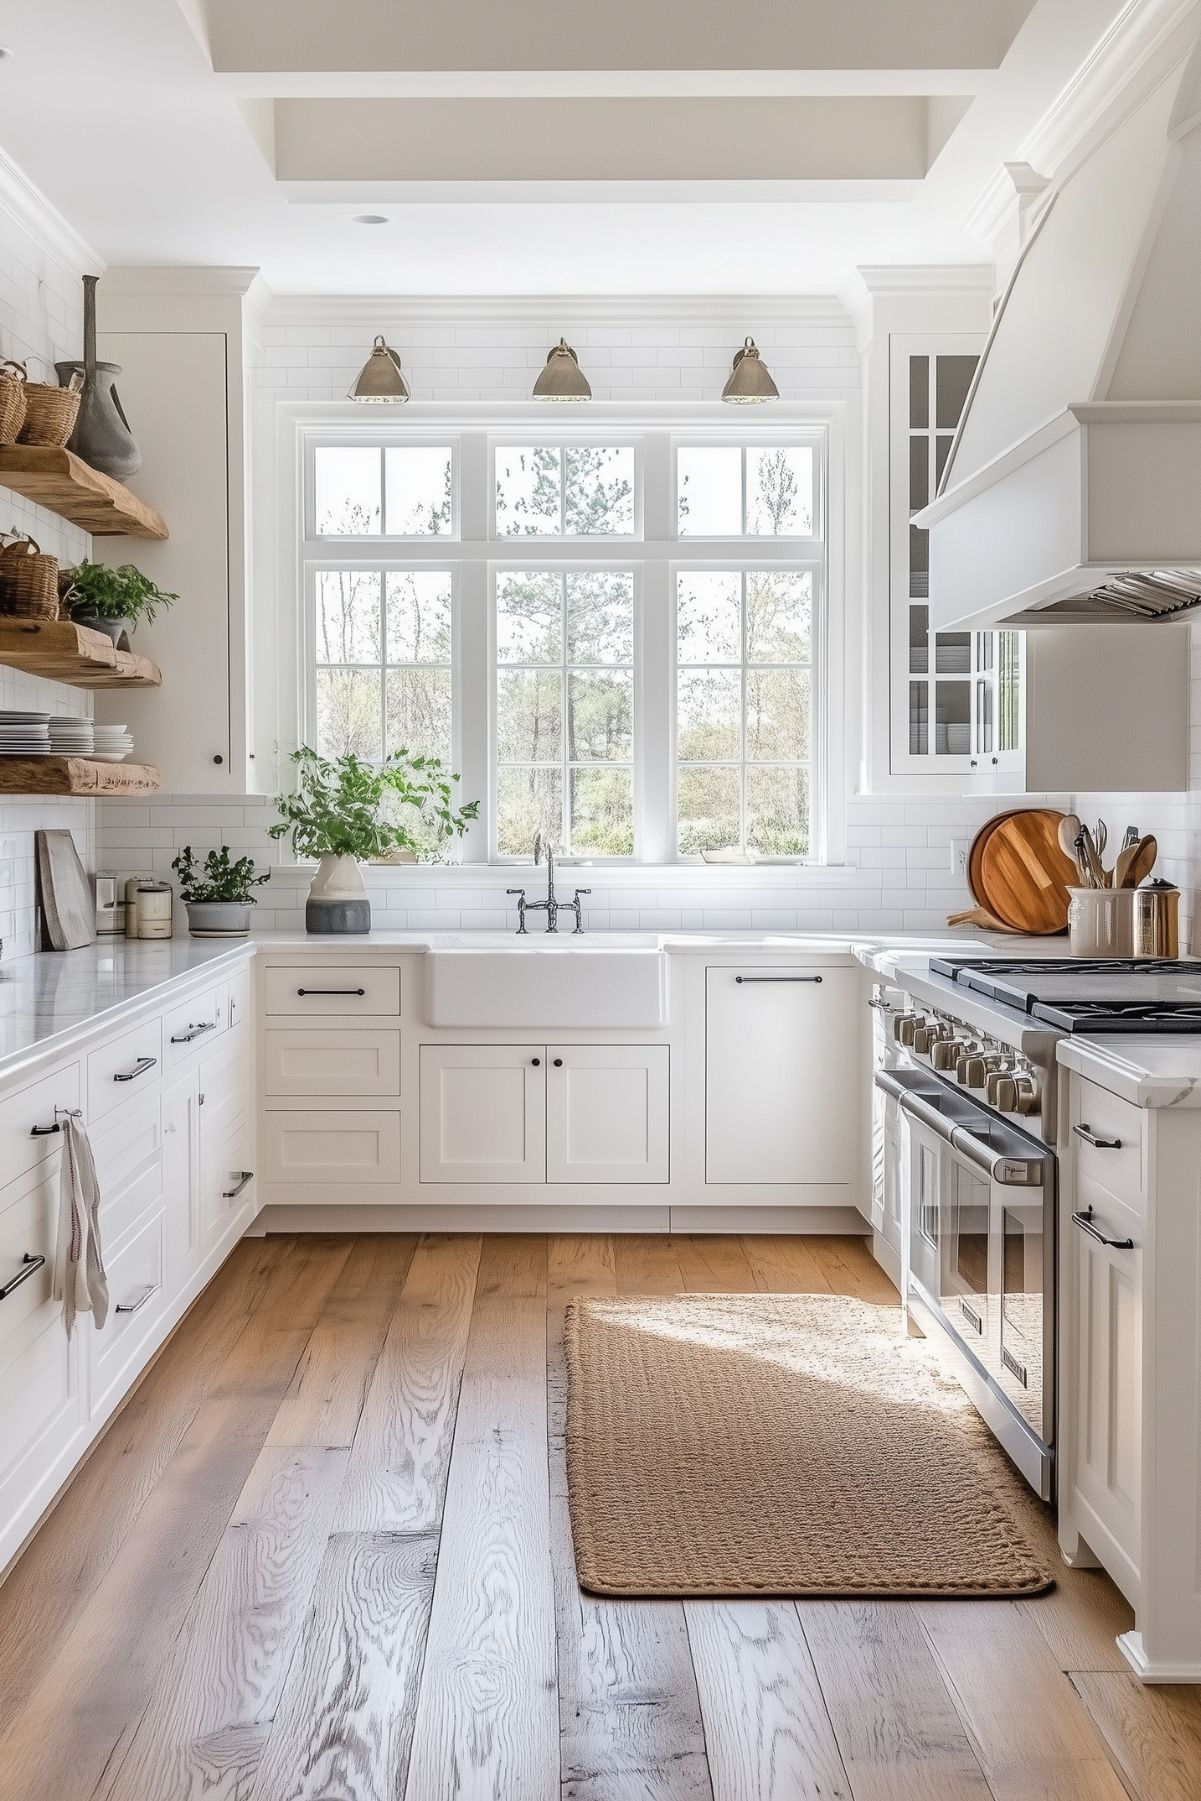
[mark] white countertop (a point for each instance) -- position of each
(1152, 1071)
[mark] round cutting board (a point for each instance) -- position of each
(1024, 875)
(974, 874)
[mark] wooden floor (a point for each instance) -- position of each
(324, 1555)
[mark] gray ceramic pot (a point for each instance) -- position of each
(218, 919)
(116, 629)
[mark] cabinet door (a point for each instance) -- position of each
(782, 1076)
(606, 1113)
(1108, 1331)
(225, 1091)
(181, 1173)
(173, 388)
(483, 1113)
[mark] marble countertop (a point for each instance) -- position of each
(48, 1000)
(1152, 1071)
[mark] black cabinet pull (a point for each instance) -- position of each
(1085, 1221)
(244, 1176)
(303, 991)
(44, 1131)
(535, 1061)
(1098, 1144)
(29, 1266)
(139, 1069)
(558, 1062)
(741, 979)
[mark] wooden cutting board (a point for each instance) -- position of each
(1024, 875)
(975, 854)
(68, 905)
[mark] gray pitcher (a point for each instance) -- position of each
(102, 436)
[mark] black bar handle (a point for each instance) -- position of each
(206, 1025)
(139, 1069)
(1098, 1144)
(358, 991)
(777, 978)
(29, 1266)
(44, 1131)
(1085, 1221)
(244, 1175)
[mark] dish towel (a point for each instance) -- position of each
(79, 1278)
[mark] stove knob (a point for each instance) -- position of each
(1027, 1096)
(924, 1037)
(969, 1055)
(903, 1027)
(973, 1071)
(1002, 1093)
(946, 1053)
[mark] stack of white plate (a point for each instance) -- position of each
(70, 737)
(24, 734)
(112, 743)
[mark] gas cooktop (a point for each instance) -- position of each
(1081, 994)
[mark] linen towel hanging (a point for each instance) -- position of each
(79, 1278)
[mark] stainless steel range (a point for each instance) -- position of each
(968, 1089)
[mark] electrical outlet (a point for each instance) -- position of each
(959, 850)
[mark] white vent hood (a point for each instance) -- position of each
(1072, 492)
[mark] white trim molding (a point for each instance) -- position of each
(29, 208)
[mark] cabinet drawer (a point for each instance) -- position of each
(135, 1291)
(120, 1072)
(28, 1230)
(21, 1146)
(298, 1062)
(1118, 1162)
(358, 1148)
(319, 990)
(192, 1025)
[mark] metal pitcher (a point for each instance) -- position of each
(102, 436)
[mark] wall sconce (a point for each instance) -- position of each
(562, 378)
(381, 380)
(749, 382)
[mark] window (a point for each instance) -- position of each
(744, 711)
(565, 710)
(618, 640)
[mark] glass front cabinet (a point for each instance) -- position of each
(955, 701)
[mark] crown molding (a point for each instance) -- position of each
(214, 281)
(29, 208)
(555, 313)
(1141, 46)
(926, 278)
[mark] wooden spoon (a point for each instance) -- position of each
(1069, 830)
(1136, 862)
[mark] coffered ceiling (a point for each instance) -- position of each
(533, 146)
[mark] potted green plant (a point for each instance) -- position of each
(217, 893)
(346, 811)
(113, 600)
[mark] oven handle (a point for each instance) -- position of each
(1006, 1171)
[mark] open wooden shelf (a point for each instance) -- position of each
(75, 775)
(64, 485)
(64, 652)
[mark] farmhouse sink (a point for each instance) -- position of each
(546, 981)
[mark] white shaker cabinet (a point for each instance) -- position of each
(606, 1113)
(782, 1076)
(483, 1113)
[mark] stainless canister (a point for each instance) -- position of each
(1157, 919)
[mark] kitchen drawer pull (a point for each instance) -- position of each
(44, 1131)
(139, 1069)
(1085, 1221)
(244, 1176)
(358, 991)
(29, 1266)
(1098, 1144)
(206, 1025)
(136, 1306)
(741, 979)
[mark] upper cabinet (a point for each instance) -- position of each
(182, 340)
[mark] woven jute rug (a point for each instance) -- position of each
(778, 1444)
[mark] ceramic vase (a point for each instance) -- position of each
(338, 899)
(218, 919)
(101, 437)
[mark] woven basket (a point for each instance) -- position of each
(12, 401)
(28, 581)
(50, 414)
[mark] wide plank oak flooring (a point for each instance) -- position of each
(324, 1554)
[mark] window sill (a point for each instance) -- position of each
(610, 875)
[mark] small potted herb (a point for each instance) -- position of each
(217, 893)
(112, 601)
(346, 812)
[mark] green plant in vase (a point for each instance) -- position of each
(346, 811)
(113, 600)
(218, 893)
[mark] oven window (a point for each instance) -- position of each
(966, 1248)
(1022, 1293)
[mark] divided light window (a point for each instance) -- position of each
(618, 643)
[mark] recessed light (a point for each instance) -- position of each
(4, 51)
(368, 218)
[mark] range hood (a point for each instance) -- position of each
(1072, 490)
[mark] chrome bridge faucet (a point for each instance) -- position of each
(552, 906)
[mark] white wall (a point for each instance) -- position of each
(41, 319)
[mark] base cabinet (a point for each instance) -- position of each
(1109, 1337)
(606, 1113)
(782, 1075)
